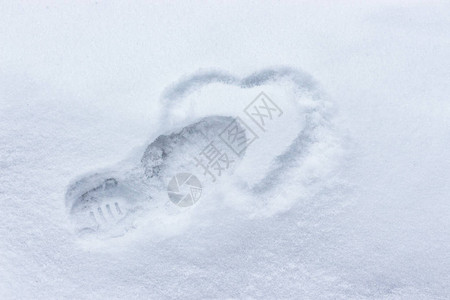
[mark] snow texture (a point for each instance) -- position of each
(341, 190)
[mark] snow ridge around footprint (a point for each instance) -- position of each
(290, 145)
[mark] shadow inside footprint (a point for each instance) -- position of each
(110, 200)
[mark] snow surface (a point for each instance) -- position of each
(362, 213)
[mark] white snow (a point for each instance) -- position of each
(364, 214)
